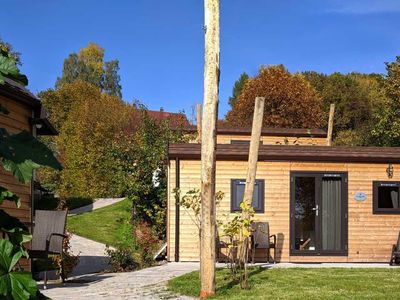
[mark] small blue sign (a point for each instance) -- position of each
(360, 196)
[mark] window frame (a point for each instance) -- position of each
(261, 192)
(375, 198)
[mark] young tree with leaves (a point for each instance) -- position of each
(88, 65)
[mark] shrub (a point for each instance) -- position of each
(121, 259)
(69, 259)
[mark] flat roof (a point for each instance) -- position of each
(267, 131)
(229, 152)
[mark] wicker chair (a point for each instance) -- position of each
(261, 239)
(395, 257)
(48, 237)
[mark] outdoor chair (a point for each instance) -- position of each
(48, 237)
(261, 239)
(395, 257)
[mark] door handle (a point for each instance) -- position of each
(316, 209)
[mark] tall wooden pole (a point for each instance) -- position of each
(330, 124)
(254, 147)
(250, 180)
(208, 147)
(198, 122)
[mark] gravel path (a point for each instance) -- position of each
(98, 203)
(149, 284)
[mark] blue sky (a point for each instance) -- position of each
(160, 43)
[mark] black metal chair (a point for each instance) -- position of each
(48, 237)
(261, 239)
(395, 257)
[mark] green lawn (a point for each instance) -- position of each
(300, 283)
(108, 225)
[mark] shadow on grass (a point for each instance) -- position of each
(235, 282)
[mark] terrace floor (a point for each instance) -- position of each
(150, 283)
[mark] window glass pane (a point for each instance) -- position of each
(239, 186)
(304, 214)
(388, 197)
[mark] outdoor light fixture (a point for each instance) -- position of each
(389, 171)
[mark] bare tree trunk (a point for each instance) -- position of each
(250, 181)
(208, 148)
(198, 122)
(330, 124)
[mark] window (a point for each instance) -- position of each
(237, 193)
(386, 197)
(242, 142)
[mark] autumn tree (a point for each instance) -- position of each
(88, 65)
(88, 122)
(358, 99)
(290, 101)
(386, 120)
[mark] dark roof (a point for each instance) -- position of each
(292, 153)
(16, 91)
(286, 132)
(176, 119)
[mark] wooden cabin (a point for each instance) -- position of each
(324, 204)
(25, 113)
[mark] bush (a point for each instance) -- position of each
(147, 242)
(121, 259)
(70, 260)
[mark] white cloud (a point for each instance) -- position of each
(362, 7)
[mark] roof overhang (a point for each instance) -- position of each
(229, 152)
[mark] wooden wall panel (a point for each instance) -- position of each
(370, 236)
(16, 121)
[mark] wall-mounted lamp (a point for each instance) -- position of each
(389, 171)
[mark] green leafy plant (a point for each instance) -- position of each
(121, 259)
(238, 231)
(8, 68)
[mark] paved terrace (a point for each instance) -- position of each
(150, 283)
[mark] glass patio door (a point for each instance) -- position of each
(318, 213)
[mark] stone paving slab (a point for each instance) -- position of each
(149, 284)
(98, 203)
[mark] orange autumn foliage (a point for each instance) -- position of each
(290, 101)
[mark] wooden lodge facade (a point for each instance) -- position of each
(25, 112)
(324, 204)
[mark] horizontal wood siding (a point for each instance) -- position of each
(370, 237)
(16, 121)
(274, 140)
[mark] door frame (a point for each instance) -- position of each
(319, 175)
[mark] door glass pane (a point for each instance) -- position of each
(331, 212)
(304, 213)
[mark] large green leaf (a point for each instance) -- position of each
(22, 153)
(8, 68)
(14, 285)
(16, 231)
(8, 65)
(10, 196)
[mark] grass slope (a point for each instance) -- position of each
(107, 225)
(300, 283)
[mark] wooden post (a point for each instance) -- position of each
(208, 147)
(198, 122)
(330, 124)
(250, 179)
(253, 151)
